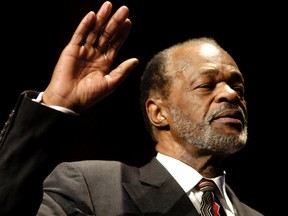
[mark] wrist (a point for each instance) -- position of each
(39, 99)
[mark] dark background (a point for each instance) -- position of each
(34, 33)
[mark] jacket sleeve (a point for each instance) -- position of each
(34, 139)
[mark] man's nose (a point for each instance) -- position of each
(226, 93)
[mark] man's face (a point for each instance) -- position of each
(207, 102)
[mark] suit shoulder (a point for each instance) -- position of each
(99, 167)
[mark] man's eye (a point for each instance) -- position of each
(240, 90)
(206, 86)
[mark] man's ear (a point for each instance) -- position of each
(156, 112)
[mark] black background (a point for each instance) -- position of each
(34, 33)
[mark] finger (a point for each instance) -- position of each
(87, 30)
(120, 73)
(117, 41)
(81, 32)
(112, 28)
(101, 19)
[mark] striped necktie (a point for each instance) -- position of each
(210, 205)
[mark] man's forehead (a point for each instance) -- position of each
(207, 49)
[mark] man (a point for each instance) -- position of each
(192, 96)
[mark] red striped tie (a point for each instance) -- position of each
(210, 206)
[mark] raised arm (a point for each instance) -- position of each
(35, 137)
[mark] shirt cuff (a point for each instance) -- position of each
(59, 108)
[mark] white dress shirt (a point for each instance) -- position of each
(188, 178)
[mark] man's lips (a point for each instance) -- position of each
(230, 116)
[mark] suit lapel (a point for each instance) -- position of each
(159, 193)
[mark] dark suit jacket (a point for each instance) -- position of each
(33, 142)
(113, 188)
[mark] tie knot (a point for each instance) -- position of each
(207, 185)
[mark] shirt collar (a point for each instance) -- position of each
(186, 176)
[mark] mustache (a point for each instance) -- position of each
(225, 107)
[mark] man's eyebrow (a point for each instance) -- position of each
(211, 71)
